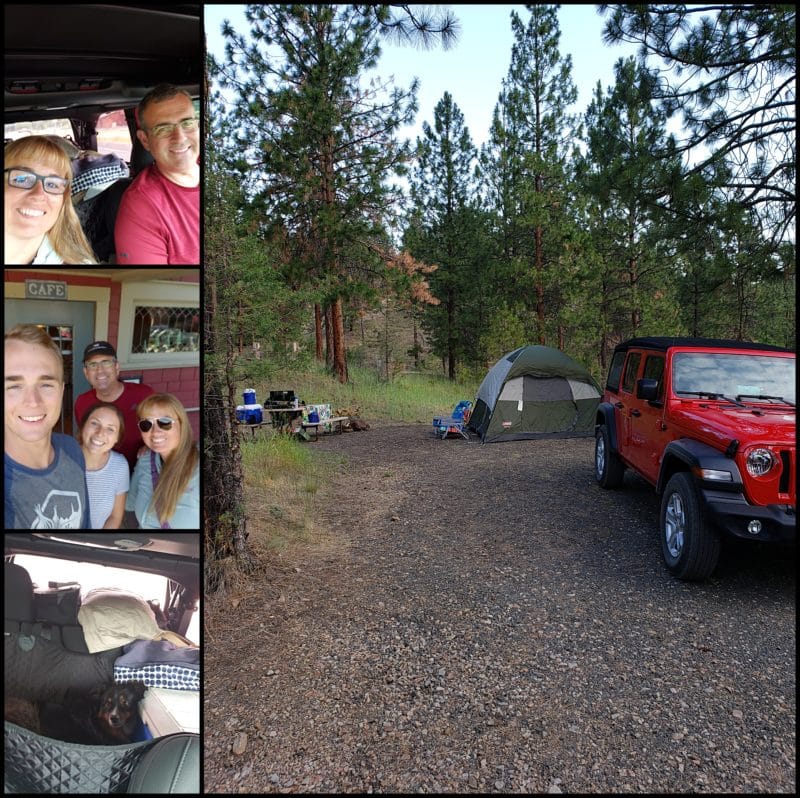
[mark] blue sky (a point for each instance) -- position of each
(473, 69)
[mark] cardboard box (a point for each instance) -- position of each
(169, 711)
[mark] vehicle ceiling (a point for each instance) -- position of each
(172, 554)
(92, 56)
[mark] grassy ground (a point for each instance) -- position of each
(284, 476)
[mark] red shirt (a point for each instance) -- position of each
(158, 222)
(127, 402)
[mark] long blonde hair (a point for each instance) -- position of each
(179, 469)
(66, 235)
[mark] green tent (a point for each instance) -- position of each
(535, 392)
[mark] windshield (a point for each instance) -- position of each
(749, 377)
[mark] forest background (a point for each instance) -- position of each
(570, 230)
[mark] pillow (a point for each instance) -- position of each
(111, 618)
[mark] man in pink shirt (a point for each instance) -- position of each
(159, 215)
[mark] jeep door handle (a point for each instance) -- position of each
(619, 405)
(636, 413)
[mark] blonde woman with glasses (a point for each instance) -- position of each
(41, 226)
(159, 216)
(165, 487)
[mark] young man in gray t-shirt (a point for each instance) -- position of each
(44, 473)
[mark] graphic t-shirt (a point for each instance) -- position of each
(48, 498)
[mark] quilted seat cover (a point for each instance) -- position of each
(36, 764)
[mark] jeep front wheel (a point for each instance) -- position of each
(608, 468)
(688, 542)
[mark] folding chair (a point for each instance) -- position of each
(455, 423)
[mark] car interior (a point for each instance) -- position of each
(91, 628)
(78, 71)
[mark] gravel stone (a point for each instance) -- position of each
(513, 630)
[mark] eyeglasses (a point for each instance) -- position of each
(22, 178)
(99, 364)
(165, 423)
(166, 129)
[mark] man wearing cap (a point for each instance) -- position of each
(101, 369)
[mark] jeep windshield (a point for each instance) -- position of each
(736, 378)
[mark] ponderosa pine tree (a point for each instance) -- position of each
(448, 229)
(316, 142)
(525, 167)
(729, 72)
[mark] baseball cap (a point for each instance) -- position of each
(99, 348)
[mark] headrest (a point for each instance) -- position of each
(19, 593)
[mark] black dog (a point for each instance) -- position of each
(117, 717)
(107, 716)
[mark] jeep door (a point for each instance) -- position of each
(647, 434)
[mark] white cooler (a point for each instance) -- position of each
(169, 711)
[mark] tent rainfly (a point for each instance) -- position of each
(535, 392)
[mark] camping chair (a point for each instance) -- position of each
(454, 423)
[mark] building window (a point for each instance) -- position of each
(159, 325)
(165, 329)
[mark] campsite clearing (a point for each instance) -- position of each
(485, 618)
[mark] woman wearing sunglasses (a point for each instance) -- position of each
(41, 226)
(165, 486)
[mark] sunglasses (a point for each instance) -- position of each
(165, 423)
(24, 178)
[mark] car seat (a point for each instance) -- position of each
(98, 216)
(41, 670)
(20, 608)
(171, 765)
(37, 764)
(18, 597)
(58, 605)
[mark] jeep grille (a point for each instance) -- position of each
(787, 473)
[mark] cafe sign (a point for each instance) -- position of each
(45, 289)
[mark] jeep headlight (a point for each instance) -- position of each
(760, 462)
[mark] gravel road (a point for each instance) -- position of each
(487, 619)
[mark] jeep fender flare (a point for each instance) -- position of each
(686, 454)
(605, 415)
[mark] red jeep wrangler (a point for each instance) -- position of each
(711, 424)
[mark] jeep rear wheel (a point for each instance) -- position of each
(608, 468)
(688, 542)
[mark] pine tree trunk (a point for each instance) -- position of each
(318, 332)
(339, 357)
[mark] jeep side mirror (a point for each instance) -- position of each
(647, 389)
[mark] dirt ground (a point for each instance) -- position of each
(487, 619)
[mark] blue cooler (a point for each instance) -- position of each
(249, 396)
(254, 414)
(249, 414)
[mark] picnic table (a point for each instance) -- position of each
(335, 422)
(282, 417)
(252, 427)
